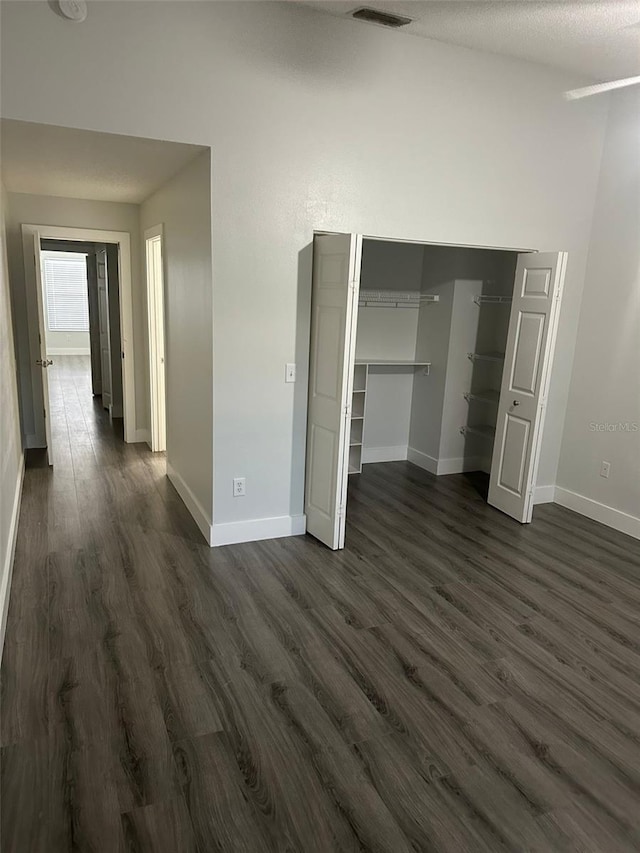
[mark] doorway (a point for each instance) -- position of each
(80, 296)
(438, 355)
(110, 362)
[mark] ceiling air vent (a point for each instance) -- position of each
(384, 19)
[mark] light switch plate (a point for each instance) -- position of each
(290, 373)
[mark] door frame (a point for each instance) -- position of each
(363, 237)
(91, 235)
(154, 281)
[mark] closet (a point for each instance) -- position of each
(418, 353)
(431, 336)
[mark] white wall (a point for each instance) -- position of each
(434, 332)
(183, 207)
(317, 123)
(67, 343)
(11, 459)
(72, 213)
(388, 333)
(605, 385)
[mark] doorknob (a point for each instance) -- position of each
(44, 362)
(516, 402)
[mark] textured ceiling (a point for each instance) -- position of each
(45, 160)
(597, 38)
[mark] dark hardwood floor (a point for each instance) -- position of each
(452, 681)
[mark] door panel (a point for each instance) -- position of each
(525, 382)
(44, 362)
(155, 317)
(514, 446)
(528, 350)
(94, 325)
(103, 322)
(336, 282)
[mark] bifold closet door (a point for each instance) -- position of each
(334, 310)
(525, 382)
(43, 360)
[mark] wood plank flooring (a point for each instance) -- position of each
(452, 681)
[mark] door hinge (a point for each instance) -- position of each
(341, 511)
(347, 410)
(44, 413)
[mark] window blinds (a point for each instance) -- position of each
(65, 284)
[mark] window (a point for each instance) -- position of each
(65, 285)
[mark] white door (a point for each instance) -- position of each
(103, 319)
(155, 315)
(43, 361)
(525, 382)
(334, 313)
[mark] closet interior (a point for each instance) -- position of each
(431, 337)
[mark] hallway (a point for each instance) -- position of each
(452, 681)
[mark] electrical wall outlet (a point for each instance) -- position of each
(239, 487)
(605, 469)
(290, 373)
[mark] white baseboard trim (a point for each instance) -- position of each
(8, 556)
(69, 351)
(544, 495)
(142, 435)
(614, 518)
(460, 464)
(384, 454)
(455, 465)
(234, 532)
(192, 504)
(422, 460)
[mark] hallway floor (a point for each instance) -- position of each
(452, 681)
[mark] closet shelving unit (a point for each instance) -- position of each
(405, 299)
(486, 356)
(487, 395)
(483, 430)
(488, 398)
(358, 402)
(492, 300)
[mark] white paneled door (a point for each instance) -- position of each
(525, 382)
(43, 361)
(103, 325)
(336, 284)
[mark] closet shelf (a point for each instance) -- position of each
(394, 298)
(357, 417)
(483, 430)
(492, 300)
(486, 356)
(355, 444)
(393, 362)
(488, 395)
(353, 469)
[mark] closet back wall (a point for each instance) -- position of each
(388, 334)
